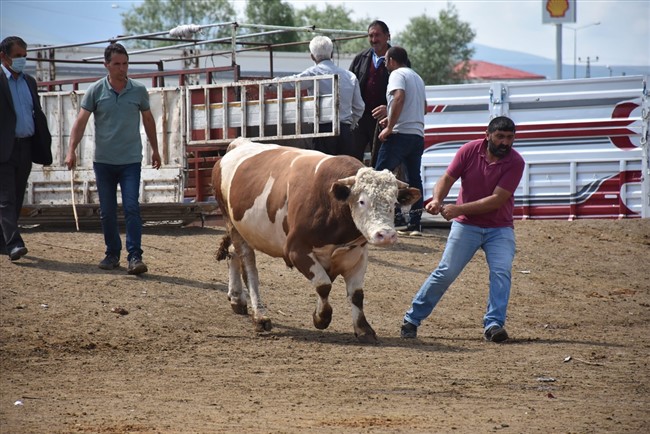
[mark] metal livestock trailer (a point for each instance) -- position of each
(194, 125)
(585, 142)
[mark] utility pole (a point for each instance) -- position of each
(558, 51)
(588, 61)
(575, 42)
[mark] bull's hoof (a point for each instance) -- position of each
(239, 309)
(322, 321)
(263, 325)
(367, 338)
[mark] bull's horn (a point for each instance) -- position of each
(401, 184)
(350, 180)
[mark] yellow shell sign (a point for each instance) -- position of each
(558, 11)
(557, 8)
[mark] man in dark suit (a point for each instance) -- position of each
(23, 130)
(370, 68)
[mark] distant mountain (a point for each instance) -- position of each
(546, 67)
(504, 57)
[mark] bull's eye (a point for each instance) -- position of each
(362, 203)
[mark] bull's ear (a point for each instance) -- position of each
(408, 196)
(340, 191)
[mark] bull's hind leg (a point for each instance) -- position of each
(236, 294)
(248, 269)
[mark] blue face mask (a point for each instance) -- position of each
(18, 64)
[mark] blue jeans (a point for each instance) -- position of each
(127, 176)
(407, 149)
(463, 242)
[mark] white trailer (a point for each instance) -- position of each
(585, 142)
(194, 125)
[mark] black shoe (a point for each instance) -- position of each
(110, 262)
(408, 331)
(136, 266)
(495, 334)
(17, 253)
(412, 230)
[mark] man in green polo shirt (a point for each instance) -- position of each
(117, 103)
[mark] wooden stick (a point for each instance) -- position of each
(74, 206)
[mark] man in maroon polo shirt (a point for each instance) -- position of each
(490, 171)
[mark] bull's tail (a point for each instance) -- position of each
(222, 251)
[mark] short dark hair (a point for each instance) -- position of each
(398, 54)
(501, 123)
(381, 24)
(114, 48)
(8, 43)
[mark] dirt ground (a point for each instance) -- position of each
(180, 361)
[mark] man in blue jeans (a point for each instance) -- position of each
(490, 171)
(117, 103)
(402, 135)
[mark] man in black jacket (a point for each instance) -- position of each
(370, 69)
(23, 129)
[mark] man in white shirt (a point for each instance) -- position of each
(403, 128)
(351, 105)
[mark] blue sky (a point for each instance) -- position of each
(621, 38)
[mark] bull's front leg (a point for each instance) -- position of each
(354, 286)
(362, 329)
(248, 269)
(312, 270)
(322, 315)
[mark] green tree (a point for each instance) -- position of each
(158, 15)
(276, 13)
(436, 46)
(334, 17)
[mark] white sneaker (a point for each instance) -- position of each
(411, 230)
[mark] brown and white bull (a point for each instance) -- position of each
(317, 212)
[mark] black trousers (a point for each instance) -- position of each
(335, 145)
(364, 136)
(14, 174)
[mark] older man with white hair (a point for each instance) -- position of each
(351, 105)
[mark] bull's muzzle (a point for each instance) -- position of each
(383, 237)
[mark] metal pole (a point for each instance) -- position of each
(575, 44)
(575, 52)
(558, 51)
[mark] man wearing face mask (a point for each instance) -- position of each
(24, 138)
(490, 171)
